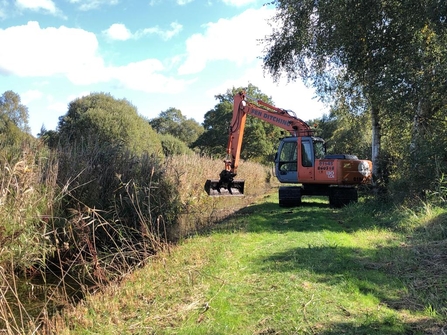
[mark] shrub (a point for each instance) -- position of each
(104, 119)
(173, 146)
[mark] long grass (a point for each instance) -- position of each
(27, 188)
(198, 210)
(76, 221)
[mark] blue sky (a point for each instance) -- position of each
(156, 54)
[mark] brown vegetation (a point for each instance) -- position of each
(75, 221)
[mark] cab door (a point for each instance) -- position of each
(306, 160)
(286, 160)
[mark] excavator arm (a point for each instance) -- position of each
(227, 184)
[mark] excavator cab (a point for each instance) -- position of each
(295, 159)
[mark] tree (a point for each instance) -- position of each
(393, 51)
(173, 146)
(189, 131)
(345, 132)
(174, 123)
(13, 110)
(213, 140)
(260, 139)
(104, 119)
(49, 137)
(104, 144)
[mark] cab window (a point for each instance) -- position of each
(319, 149)
(288, 157)
(306, 154)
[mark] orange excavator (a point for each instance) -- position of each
(301, 159)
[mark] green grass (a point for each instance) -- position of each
(272, 270)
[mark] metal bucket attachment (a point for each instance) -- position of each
(217, 187)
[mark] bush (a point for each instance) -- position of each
(129, 190)
(104, 119)
(173, 146)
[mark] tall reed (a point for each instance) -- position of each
(76, 219)
(27, 192)
(198, 210)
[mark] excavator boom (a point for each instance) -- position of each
(226, 184)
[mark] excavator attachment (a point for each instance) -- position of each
(215, 188)
(225, 186)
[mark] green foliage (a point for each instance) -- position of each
(174, 123)
(109, 160)
(173, 145)
(10, 134)
(11, 110)
(391, 54)
(380, 44)
(49, 137)
(13, 122)
(260, 139)
(101, 118)
(216, 121)
(347, 128)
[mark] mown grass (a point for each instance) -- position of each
(270, 270)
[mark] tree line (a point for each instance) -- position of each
(381, 67)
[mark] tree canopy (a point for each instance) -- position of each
(260, 139)
(12, 110)
(108, 120)
(173, 122)
(392, 53)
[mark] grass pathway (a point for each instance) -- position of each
(266, 270)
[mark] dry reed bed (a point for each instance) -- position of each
(40, 236)
(198, 209)
(27, 183)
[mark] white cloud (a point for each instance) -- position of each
(183, 2)
(61, 106)
(238, 3)
(31, 95)
(144, 76)
(118, 31)
(36, 5)
(92, 4)
(73, 53)
(293, 96)
(48, 51)
(164, 34)
(236, 40)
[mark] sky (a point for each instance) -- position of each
(156, 54)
